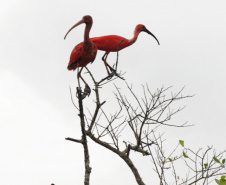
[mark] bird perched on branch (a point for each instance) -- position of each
(114, 43)
(83, 53)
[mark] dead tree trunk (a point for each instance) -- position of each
(83, 141)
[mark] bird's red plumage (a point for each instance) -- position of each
(109, 43)
(81, 55)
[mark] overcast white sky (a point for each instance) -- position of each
(36, 110)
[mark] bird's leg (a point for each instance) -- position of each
(78, 76)
(87, 89)
(112, 69)
(104, 58)
(79, 87)
(113, 73)
(105, 62)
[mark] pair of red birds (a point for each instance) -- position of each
(85, 52)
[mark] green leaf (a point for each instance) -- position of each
(170, 160)
(216, 160)
(223, 161)
(205, 165)
(221, 181)
(217, 181)
(181, 142)
(185, 155)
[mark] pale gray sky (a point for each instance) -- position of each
(36, 110)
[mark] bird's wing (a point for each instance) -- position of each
(108, 42)
(75, 56)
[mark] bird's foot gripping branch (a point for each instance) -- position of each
(85, 93)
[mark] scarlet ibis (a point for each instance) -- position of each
(113, 43)
(83, 53)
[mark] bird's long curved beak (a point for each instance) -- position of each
(78, 23)
(147, 31)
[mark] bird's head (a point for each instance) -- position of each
(140, 27)
(87, 19)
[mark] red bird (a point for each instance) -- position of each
(83, 53)
(110, 43)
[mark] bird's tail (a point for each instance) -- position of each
(71, 66)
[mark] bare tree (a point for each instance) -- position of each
(199, 167)
(133, 127)
(83, 140)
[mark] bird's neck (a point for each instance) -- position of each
(135, 35)
(86, 33)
